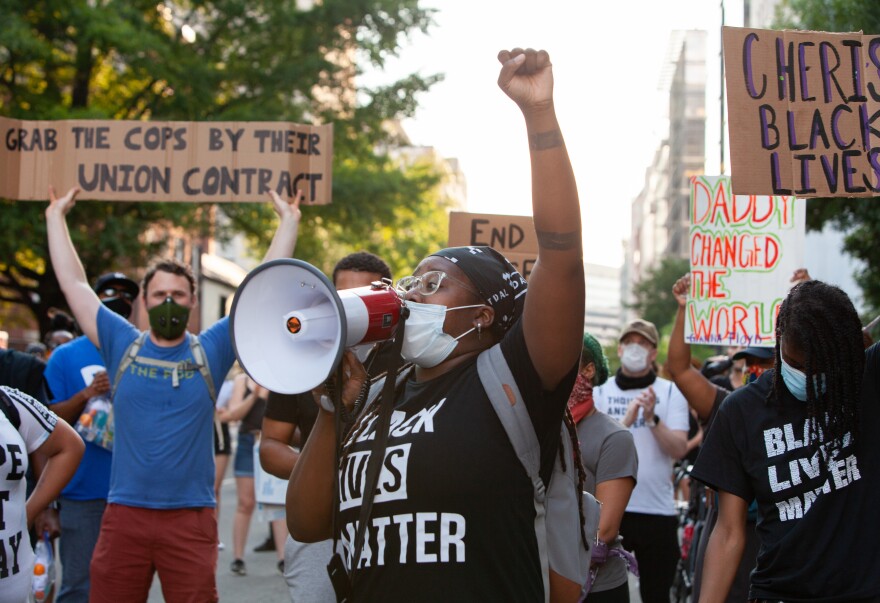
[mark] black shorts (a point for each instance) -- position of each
(223, 443)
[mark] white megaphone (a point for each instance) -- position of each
(289, 325)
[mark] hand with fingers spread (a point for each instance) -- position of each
(62, 205)
(527, 78)
(285, 208)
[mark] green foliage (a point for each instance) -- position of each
(858, 218)
(653, 294)
(260, 60)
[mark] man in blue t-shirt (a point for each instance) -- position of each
(160, 512)
(75, 374)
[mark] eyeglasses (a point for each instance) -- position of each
(110, 292)
(428, 283)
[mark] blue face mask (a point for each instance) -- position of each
(796, 381)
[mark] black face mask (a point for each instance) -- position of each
(120, 305)
(168, 319)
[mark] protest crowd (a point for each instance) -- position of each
(484, 451)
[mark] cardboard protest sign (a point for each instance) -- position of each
(744, 249)
(165, 161)
(513, 236)
(804, 112)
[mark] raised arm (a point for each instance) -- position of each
(289, 215)
(698, 391)
(554, 308)
(68, 268)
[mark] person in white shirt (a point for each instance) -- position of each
(657, 415)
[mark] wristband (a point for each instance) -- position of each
(326, 403)
(655, 423)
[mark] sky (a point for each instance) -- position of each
(607, 60)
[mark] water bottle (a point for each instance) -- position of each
(93, 422)
(44, 570)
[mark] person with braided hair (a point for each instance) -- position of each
(609, 456)
(453, 515)
(801, 440)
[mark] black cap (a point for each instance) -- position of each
(117, 278)
(756, 352)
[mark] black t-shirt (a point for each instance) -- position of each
(299, 409)
(252, 422)
(816, 519)
(24, 372)
(453, 516)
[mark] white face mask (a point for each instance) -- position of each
(424, 342)
(634, 358)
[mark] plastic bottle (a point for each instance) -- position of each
(44, 570)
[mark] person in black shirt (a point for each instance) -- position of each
(453, 514)
(286, 427)
(801, 441)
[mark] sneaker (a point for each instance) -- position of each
(238, 567)
(220, 546)
(266, 546)
(281, 566)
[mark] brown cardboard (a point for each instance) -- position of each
(165, 161)
(823, 84)
(513, 236)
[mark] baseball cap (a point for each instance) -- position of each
(756, 352)
(118, 279)
(642, 327)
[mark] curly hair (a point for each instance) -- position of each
(820, 321)
(592, 352)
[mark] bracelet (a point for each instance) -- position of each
(326, 403)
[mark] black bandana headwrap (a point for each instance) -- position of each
(498, 282)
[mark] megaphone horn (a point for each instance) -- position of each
(289, 325)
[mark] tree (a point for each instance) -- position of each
(858, 218)
(215, 60)
(653, 294)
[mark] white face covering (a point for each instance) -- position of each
(634, 358)
(424, 342)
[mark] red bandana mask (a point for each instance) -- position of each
(581, 400)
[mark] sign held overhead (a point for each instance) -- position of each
(803, 113)
(166, 161)
(513, 236)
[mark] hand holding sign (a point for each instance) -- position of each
(800, 276)
(527, 78)
(63, 204)
(285, 208)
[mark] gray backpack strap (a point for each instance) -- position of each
(508, 403)
(199, 358)
(200, 362)
(128, 357)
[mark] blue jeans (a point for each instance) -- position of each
(80, 526)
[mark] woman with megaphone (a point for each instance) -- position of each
(450, 511)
